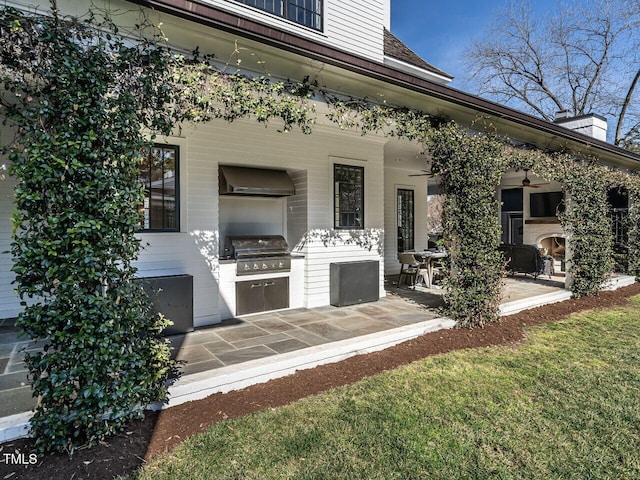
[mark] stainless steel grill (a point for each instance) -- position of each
(258, 254)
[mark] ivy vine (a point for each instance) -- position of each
(471, 167)
(79, 97)
(78, 101)
(587, 223)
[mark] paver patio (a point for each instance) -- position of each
(258, 336)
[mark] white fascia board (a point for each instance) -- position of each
(416, 71)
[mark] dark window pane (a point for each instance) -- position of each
(618, 198)
(512, 200)
(348, 196)
(159, 176)
(304, 12)
(405, 220)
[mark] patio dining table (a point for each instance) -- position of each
(427, 260)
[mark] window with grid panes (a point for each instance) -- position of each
(304, 12)
(405, 220)
(348, 194)
(159, 175)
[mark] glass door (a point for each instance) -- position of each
(511, 218)
(405, 207)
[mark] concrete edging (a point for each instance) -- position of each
(15, 426)
(236, 377)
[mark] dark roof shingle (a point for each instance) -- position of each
(394, 47)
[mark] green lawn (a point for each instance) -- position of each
(565, 404)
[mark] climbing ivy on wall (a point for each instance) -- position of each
(78, 102)
(588, 225)
(80, 97)
(633, 247)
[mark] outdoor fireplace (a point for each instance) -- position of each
(554, 245)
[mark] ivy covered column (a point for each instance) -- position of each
(588, 225)
(78, 100)
(634, 230)
(471, 167)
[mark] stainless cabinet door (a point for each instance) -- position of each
(276, 293)
(249, 297)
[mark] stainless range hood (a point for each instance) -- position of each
(262, 182)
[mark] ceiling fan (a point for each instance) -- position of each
(526, 182)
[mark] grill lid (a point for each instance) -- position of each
(248, 246)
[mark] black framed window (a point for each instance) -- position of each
(304, 12)
(159, 175)
(405, 220)
(348, 192)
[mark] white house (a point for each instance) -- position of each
(193, 204)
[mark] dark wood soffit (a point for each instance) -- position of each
(228, 22)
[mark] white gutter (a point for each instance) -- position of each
(416, 71)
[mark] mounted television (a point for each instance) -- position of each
(545, 204)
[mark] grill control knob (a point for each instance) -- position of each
(280, 265)
(265, 266)
(247, 267)
(256, 267)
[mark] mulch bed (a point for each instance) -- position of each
(161, 431)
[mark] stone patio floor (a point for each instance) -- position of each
(258, 336)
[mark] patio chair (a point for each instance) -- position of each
(409, 268)
(437, 267)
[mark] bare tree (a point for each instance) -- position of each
(584, 57)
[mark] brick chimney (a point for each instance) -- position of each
(590, 124)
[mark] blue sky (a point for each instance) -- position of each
(440, 30)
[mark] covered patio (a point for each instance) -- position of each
(301, 338)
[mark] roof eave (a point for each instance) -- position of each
(210, 16)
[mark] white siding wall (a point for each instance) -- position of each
(396, 178)
(310, 160)
(355, 26)
(195, 249)
(325, 248)
(297, 206)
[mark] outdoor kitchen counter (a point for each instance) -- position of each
(229, 278)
